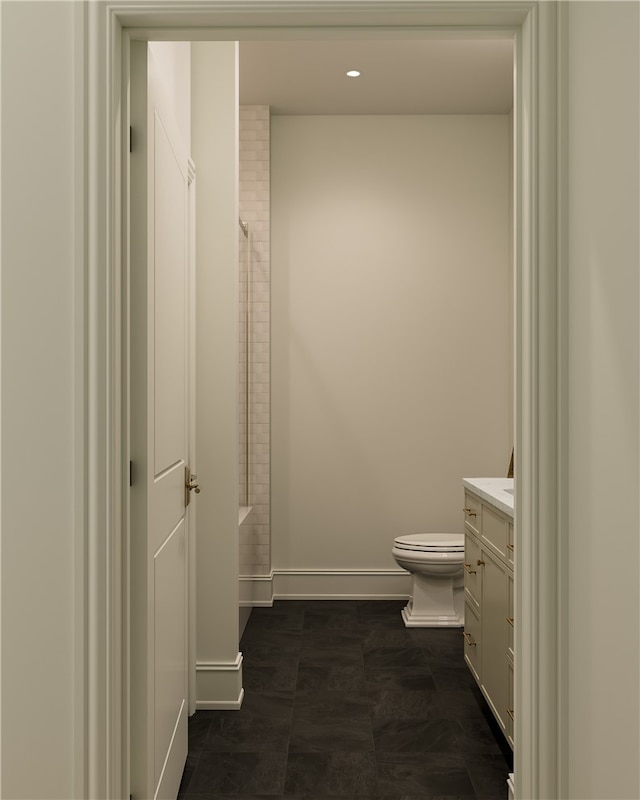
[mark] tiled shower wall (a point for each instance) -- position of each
(255, 535)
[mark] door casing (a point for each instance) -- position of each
(539, 29)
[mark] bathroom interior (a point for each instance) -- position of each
(376, 354)
(375, 286)
(378, 246)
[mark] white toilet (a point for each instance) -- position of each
(436, 561)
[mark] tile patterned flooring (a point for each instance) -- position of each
(342, 701)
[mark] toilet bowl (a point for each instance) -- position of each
(436, 562)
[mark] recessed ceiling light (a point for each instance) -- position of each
(353, 73)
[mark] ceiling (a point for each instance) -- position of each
(408, 76)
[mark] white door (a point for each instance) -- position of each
(159, 342)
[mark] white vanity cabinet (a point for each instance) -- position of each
(488, 576)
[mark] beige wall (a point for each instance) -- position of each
(215, 152)
(604, 402)
(390, 329)
(44, 508)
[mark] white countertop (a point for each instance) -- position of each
(494, 491)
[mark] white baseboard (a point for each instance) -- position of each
(219, 684)
(308, 584)
(256, 590)
(220, 705)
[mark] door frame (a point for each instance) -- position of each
(539, 29)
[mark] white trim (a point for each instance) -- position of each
(84, 666)
(221, 680)
(562, 410)
(342, 572)
(193, 456)
(541, 316)
(255, 590)
(220, 666)
(106, 733)
(221, 705)
(81, 504)
(541, 446)
(340, 584)
(318, 584)
(510, 787)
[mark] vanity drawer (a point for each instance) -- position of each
(495, 530)
(472, 512)
(472, 573)
(472, 639)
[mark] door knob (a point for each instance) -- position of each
(190, 485)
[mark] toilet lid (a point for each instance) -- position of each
(432, 542)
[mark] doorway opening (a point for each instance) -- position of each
(538, 748)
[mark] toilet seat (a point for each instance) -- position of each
(431, 542)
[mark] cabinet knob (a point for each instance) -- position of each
(510, 621)
(510, 712)
(469, 512)
(480, 562)
(468, 639)
(468, 569)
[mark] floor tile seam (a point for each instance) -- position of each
(286, 766)
(375, 762)
(337, 718)
(318, 747)
(331, 718)
(379, 721)
(195, 752)
(240, 744)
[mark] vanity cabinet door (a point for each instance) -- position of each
(472, 640)
(510, 717)
(472, 571)
(510, 660)
(495, 637)
(510, 616)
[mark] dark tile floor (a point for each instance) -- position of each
(342, 701)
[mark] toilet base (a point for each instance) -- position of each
(437, 601)
(413, 619)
